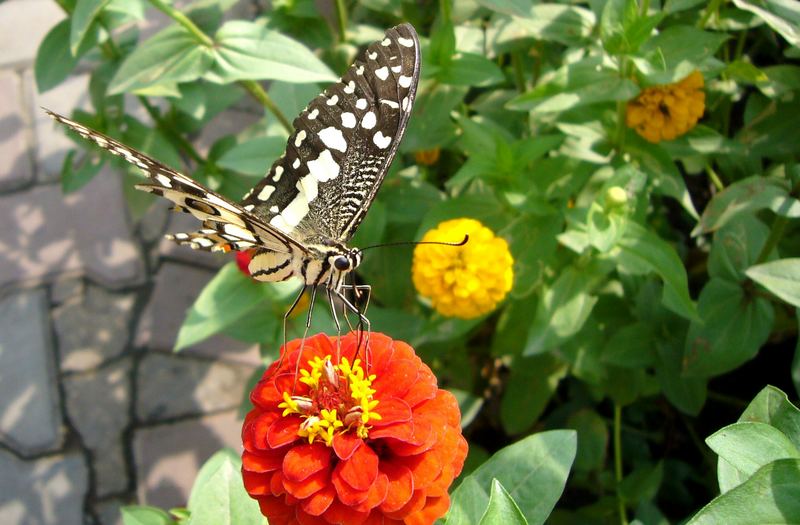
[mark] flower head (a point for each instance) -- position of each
(463, 281)
(668, 111)
(346, 442)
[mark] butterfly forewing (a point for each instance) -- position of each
(233, 227)
(343, 144)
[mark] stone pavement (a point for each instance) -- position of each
(96, 411)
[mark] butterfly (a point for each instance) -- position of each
(297, 220)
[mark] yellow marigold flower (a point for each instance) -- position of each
(463, 281)
(668, 111)
(427, 157)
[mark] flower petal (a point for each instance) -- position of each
(347, 494)
(304, 460)
(361, 469)
(307, 487)
(345, 444)
(339, 513)
(266, 461)
(255, 428)
(377, 493)
(257, 484)
(392, 410)
(283, 431)
(400, 431)
(401, 485)
(320, 501)
(396, 379)
(434, 508)
(275, 508)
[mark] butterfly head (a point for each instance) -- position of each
(346, 260)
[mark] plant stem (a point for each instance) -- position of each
(775, 234)
(712, 8)
(258, 93)
(645, 7)
(715, 180)
(341, 17)
(623, 518)
(184, 21)
(519, 76)
(251, 86)
(621, 106)
(445, 4)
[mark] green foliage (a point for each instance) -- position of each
(652, 281)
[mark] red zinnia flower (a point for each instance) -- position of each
(336, 444)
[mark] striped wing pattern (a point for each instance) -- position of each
(343, 144)
(316, 194)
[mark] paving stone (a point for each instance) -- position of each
(23, 25)
(176, 288)
(30, 420)
(171, 386)
(65, 289)
(92, 328)
(47, 233)
(52, 142)
(168, 456)
(98, 405)
(108, 511)
(15, 159)
(45, 491)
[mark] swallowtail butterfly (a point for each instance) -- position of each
(298, 219)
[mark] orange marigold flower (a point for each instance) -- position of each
(427, 157)
(346, 443)
(463, 281)
(668, 111)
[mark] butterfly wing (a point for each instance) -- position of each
(226, 225)
(343, 144)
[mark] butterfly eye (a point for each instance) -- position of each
(341, 263)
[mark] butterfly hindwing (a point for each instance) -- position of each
(343, 144)
(228, 220)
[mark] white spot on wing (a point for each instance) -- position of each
(313, 114)
(385, 42)
(406, 42)
(163, 180)
(238, 232)
(396, 69)
(373, 55)
(308, 187)
(361, 103)
(405, 103)
(381, 141)
(324, 168)
(296, 163)
(250, 207)
(301, 135)
(333, 138)
(350, 88)
(382, 73)
(278, 173)
(265, 192)
(360, 70)
(333, 100)
(369, 120)
(293, 213)
(274, 209)
(404, 81)
(348, 120)
(390, 103)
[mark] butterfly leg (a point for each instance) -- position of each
(362, 322)
(335, 316)
(286, 317)
(311, 302)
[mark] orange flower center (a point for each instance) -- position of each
(339, 400)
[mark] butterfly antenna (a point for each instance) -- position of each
(462, 242)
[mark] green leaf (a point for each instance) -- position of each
(622, 29)
(533, 470)
(781, 277)
(592, 439)
(508, 7)
(468, 404)
(82, 17)
(771, 495)
(563, 308)
(144, 515)
(747, 196)
(254, 156)
(531, 384)
(442, 44)
(218, 496)
(643, 483)
(533, 241)
(228, 297)
(642, 250)
(565, 24)
(736, 247)
(171, 56)
(470, 69)
(688, 394)
(74, 178)
(246, 50)
(796, 359)
(681, 48)
(502, 508)
(432, 126)
(54, 60)
(731, 329)
(782, 16)
(746, 447)
(630, 346)
(772, 406)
